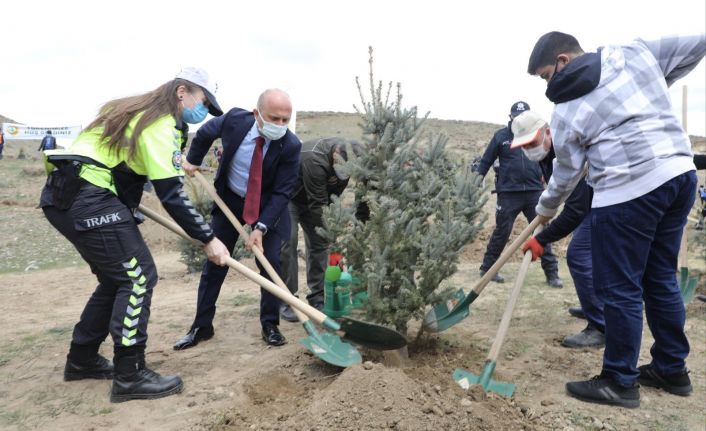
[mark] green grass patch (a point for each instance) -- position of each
(59, 330)
(243, 299)
(13, 417)
(27, 346)
(669, 422)
(101, 411)
(27, 241)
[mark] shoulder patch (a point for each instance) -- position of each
(176, 160)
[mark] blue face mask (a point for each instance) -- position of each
(272, 131)
(196, 114)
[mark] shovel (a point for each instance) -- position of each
(464, 378)
(443, 316)
(366, 334)
(687, 284)
(326, 346)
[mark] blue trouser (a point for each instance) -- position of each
(580, 263)
(635, 245)
(213, 275)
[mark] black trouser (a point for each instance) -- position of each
(316, 253)
(105, 234)
(213, 275)
(508, 207)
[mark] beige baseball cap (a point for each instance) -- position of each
(526, 128)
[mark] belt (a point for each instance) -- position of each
(229, 190)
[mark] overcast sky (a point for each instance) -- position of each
(457, 59)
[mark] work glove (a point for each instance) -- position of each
(535, 246)
(334, 258)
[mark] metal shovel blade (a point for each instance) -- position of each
(330, 348)
(465, 379)
(443, 316)
(687, 285)
(370, 335)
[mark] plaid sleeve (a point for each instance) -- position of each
(677, 55)
(568, 167)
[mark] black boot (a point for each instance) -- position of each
(134, 381)
(84, 362)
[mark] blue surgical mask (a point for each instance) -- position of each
(271, 131)
(196, 114)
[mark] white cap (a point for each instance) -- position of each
(526, 127)
(200, 77)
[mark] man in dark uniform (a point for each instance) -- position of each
(519, 184)
(257, 174)
(48, 142)
(321, 175)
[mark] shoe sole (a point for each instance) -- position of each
(70, 377)
(275, 345)
(682, 391)
(152, 396)
(577, 346)
(628, 404)
(287, 319)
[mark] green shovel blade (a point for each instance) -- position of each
(442, 316)
(687, 285)
(465, 379)
(371, 335)
(330, 348)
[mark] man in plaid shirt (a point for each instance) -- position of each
(613, 113)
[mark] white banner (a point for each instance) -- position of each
(19, 131)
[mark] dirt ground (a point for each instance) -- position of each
(236, 382)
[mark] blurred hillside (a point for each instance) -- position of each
(466, 138)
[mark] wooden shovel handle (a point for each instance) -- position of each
(259, 255)
(505, 256)
(266, 284)
(507, 315)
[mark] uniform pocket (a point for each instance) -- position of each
(113, 234)
(64, 184)
(102, 219)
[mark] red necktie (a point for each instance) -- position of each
(251, 211)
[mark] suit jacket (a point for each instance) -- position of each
(280, 167)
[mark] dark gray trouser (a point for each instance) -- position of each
(316, 254)
(509, 206)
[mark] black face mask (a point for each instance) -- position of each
(556, 66)
(579, 77)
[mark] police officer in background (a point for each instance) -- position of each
(321, 174)
(90, 196)
(519, 184)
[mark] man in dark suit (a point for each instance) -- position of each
(256, 177)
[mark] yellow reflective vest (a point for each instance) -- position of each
(158, 154)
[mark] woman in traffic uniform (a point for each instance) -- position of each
(90, 197)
